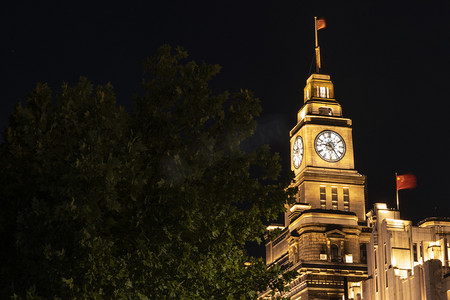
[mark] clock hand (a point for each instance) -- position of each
(337, 155)
(331, 146)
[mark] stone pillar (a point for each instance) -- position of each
(433, 279)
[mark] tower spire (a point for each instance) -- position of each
(318, 24)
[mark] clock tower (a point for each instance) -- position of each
(322, 153)
(324, 235)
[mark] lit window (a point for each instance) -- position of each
(324, 92)
(421, 251)
(334, 198)
(323, 197)
(349, 258)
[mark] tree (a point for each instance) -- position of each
(98, 203)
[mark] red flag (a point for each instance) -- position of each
(321, 24)
(406, 181)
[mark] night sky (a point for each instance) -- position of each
(388, 61)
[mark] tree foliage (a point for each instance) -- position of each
(100, 203)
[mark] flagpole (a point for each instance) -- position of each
(315, 32)
(396, 191)
(316, 48)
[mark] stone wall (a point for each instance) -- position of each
(311, 245)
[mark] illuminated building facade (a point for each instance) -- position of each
(339, 251)
(406, 261)
(324, 235)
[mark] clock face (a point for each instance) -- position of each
(330, 146)
(297, 152)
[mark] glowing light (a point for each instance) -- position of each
(431, 244)
(381, 206)
(300, 207)
(273, 227)
(396, 222)
(302, 114)
(349, 258)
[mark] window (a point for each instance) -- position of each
(346, 199)
(421, 251)
(363, 253)
(416, 258)
(323, 197)
(323, 92)
(375, 255)
(385, 254)
(327, 111)
(349, 258)
(334, 197)
(387, 281)
(334, 253)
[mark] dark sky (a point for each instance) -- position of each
(388, 61)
